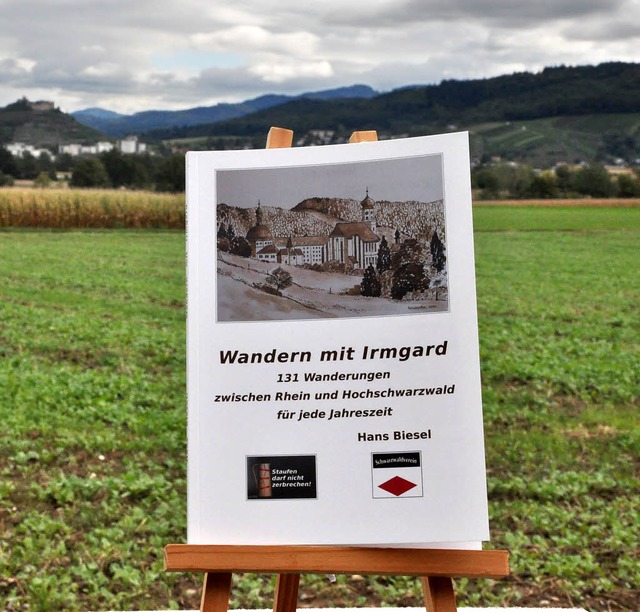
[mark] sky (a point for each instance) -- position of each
(136, 55)
(405, 179)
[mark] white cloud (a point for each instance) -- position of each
(105, 69)
(281, 71)
(497, 13)
(254, 38)
(614, 31)
(139, 55)
(15, 68)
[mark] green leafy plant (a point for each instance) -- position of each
(92, 401)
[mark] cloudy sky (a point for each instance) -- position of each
(405, 179)
(134, 55)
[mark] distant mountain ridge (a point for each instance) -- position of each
(570, 114)
(607, 88)
(558, 114)
(115, 124)
(97, 113)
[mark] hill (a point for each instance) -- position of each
(559, 113)
(42, 125)
(606, 137)
(87, 115)
(120, 125)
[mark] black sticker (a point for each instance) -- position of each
(281, 477)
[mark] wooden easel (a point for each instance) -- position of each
(436, 568)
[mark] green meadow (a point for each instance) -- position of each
(93, 413)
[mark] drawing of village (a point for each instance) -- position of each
(343, 240)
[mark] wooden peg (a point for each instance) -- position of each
(364, 136)
(215, 592)
(279, 138)
(286, 596)
(438, 594)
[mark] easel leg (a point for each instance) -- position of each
(438, 594)
(286, 598)
(215, 592)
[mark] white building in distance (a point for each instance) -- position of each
(127, 146)
(130, 145)
(18, 149)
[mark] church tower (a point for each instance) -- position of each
(368, 207)
(259, 235)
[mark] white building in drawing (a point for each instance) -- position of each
(355, 244)
(311, 248)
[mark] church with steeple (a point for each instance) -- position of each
(353, 244)
(356, 244)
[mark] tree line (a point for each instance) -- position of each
(520, 181)
(166, 173)
(111, 169)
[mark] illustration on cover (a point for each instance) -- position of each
(332, 240)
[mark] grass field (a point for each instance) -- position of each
(92, 402)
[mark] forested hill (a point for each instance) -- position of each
(608, 88)
(43, 125)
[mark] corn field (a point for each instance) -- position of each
(90, 208)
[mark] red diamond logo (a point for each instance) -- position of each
(397, 486)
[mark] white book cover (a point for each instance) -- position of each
(333, 368)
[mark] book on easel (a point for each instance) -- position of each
(333, 368)
(333, 363)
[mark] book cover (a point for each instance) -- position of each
(333, 367)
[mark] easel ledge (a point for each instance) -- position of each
(337, 560)
(435, 567)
